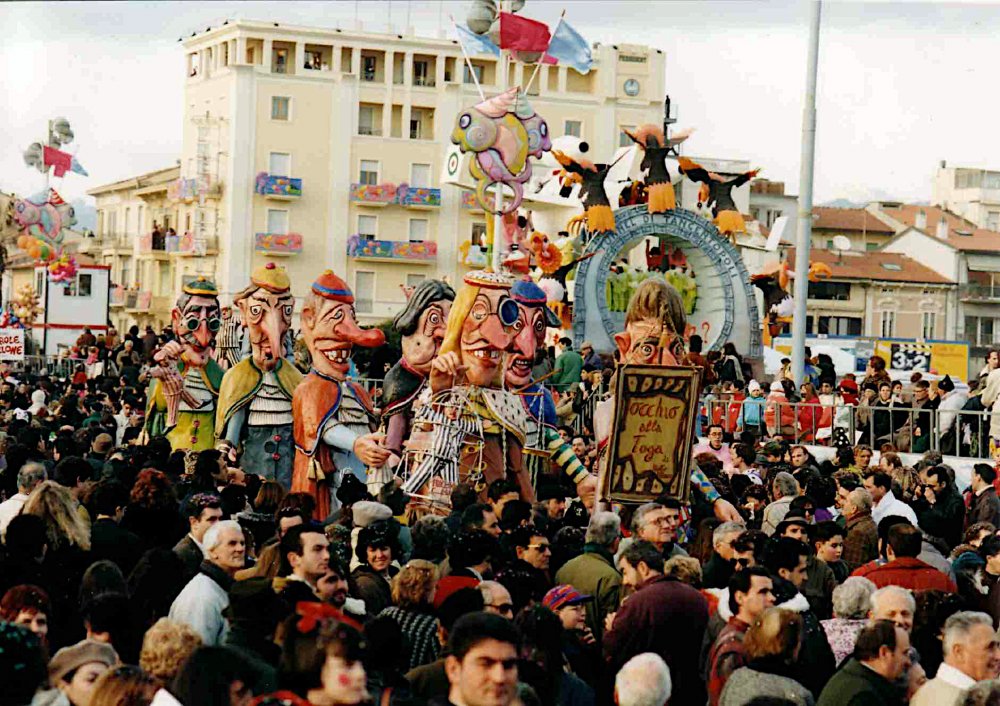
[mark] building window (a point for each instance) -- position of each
(839, 326)
(830, 291)
(477, 69)
(364, 291)
(928, 319)
(280, 61)
(420, 176)
(573, 128)
(39, 282)
(623, 139)
(277, 220)
(82, 286)
(164, 288)
(279, 164)
(280, 107)
(478, 236)
(888, 324)
(366, 120)
(418, 229)
(369, 172)
(421, 74)
(126, 272)
(368, 227)
(993, 220)
(368, 67)
(413, 280)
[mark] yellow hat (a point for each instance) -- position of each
(272, 278)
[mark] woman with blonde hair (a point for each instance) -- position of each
(772, 646)
(165, 647)
(57, 507)
(124, 685)
(413, 610)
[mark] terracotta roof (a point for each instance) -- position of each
(962, 234)
(848, 219)
(874, 265)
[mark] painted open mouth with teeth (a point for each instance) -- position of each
(488, 355)
(341, 355)
(521, 367)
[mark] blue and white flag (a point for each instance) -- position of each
(474, 43)
(569, 47)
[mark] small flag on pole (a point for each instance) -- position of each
(474, 43)
(523, 34)
(61, 161)
(569, 47)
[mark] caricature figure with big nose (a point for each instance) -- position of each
(255, 402)
(334, 417)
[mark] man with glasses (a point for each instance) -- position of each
(593, 572)
(658, 523)
(720, 566)
(496, 599)
(196, 320)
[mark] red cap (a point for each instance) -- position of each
(849, 385)
(330, 286)
(449, 585)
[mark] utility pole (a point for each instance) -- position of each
(804, 239)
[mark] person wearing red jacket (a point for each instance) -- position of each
(904, 568)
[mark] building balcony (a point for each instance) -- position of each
(381, 195)
(469, 202)
(421, 252)
(369, 131)
(979, 292)
(116, 299)
(281, 244)
(424, 81)
(138, 300)
(280, 188)
(153, 245)
(188, 245)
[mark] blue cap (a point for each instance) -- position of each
(528, 293)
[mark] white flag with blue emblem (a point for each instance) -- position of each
(475, 44)
(569, 47)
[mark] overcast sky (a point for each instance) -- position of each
(901, 85)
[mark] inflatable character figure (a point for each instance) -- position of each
(196, 319)
(255, 402)
(596, 206)
(717, 192)
(422, 323)
(472, 429)
(501, 132)
(654, 326)
(659, 189)
(543, 443)
(44, 216)
(334, 419)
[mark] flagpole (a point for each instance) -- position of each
(468, 62)
(541, 61)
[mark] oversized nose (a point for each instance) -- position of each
(348, 330)
(274, 330)
(494, 333)
(202, 335)
(524, 342)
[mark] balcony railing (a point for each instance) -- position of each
(469, 201)
(189, 245)
(979, 292)
(402, 194)
(117, 298)
(423, 251)
(138, 300)
(278, 243)
(152, 242)
(369, 131)
(277, 187)
(426, 81)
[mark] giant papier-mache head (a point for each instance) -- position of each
(423, 322)
(654, 326)
(330, 327)
(534, 317)
(481, 327)
(266, 308)
(196, 318)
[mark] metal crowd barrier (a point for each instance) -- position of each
(963, 433)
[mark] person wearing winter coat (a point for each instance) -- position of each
(779, 415)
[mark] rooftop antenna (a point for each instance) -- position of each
(668, 120)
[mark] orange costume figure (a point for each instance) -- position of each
(717, 192)
(334, 418)
(660, 191)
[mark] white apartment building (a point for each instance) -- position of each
(297, 141)
(972, 193)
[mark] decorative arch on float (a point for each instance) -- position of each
(726, 305)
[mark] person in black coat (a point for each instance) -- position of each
(939, 507)
(108, 540)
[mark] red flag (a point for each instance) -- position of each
(521, 34)
(60, 160)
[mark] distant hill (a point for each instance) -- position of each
(86, 214)
(842, 203)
